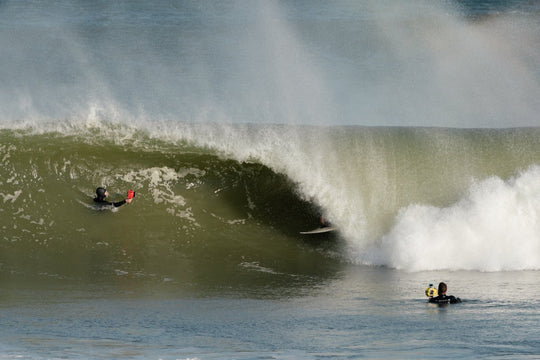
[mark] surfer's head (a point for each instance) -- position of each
(442, 288)
(101, 193)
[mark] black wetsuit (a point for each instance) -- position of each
(103, 202)
(445, 299)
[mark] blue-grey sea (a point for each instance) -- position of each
(362, 313)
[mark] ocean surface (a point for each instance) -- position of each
(410, 126)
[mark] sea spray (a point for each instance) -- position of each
(383, 63)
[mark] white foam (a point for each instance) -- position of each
(11, 197)
(161, 184)
(495, 227)
(161, 181)
(255, 266)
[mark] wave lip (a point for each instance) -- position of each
(495, 227)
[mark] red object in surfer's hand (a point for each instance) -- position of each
(131, 194)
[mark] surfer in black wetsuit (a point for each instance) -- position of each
(101, 194)
(444, 299)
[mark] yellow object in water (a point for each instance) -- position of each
(431, 291)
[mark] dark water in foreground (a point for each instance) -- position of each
(362, 313)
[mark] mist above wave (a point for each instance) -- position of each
(384, 63)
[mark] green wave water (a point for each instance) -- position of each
(213, 210)
(195, 215)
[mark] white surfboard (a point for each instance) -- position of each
(320, 230)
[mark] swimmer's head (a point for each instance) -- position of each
(442, 288)
(101, 193)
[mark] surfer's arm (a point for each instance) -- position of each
(120, 203)
(108, 203)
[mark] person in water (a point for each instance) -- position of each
(323, 222)
(101, 194)
(442, 298)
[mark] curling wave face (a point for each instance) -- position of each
(195, 215)
(213, 198)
